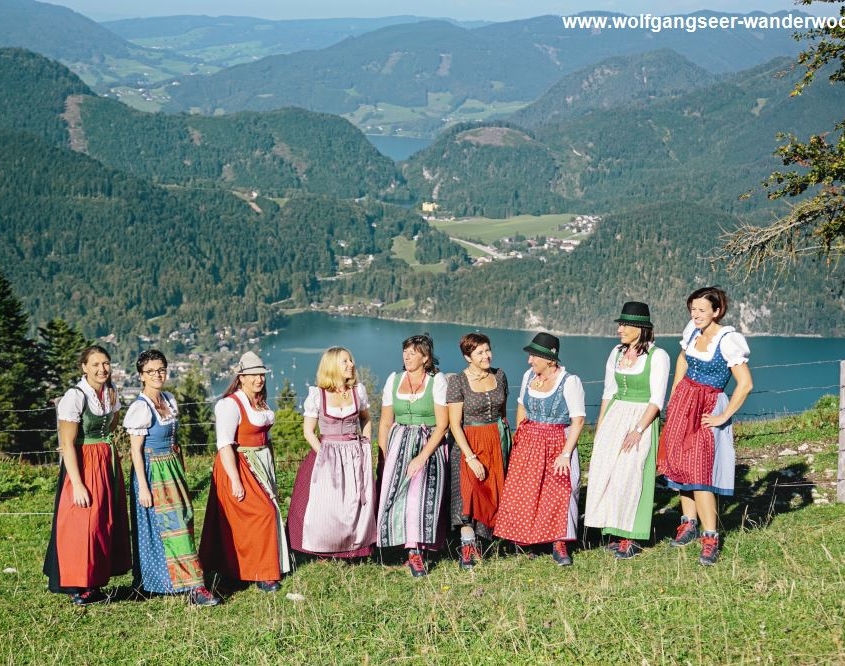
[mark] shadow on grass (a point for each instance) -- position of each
(754, 504)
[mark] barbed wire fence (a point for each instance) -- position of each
(289, 464)
(738, 417)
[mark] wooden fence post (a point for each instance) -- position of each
(840, 477)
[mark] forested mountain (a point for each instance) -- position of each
(709, 145)
(35, 91)
(413, 76)
(655, 253)
(96, 239)
(616, 83)
(115, 237)
(271, 154)
(230, 40)
(406, 64)
(114, 254)
(494, 171)
(96, 54)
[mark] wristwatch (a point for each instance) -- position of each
(638, 430)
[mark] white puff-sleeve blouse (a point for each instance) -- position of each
(227, 417)
(313, 403)
(657, 381)
(72, 404)
(438, 390)
(732, 343)
(139, 416)
(573, 391)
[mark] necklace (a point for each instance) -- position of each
(478, 378)
(414, 397)
(344, 393)
(627, 360)
(540, 380)
(159, 403)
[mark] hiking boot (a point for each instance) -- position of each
(87, 597)
(612, 545)
(628, 548)
(709, 548)
(268, 585)
(469, 555)
(200, 596)
(687, 532)
(416, 564)
(560, 555)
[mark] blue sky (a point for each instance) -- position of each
(491, 10)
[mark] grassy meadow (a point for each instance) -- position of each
(487, 229)
(776, 597)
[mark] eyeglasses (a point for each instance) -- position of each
(161, 372)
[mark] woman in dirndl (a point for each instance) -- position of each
(243, 537)
(620, 491)
(696, 452)
(89, 541)
(332, 508)
(477, 399)
(540, 499)
(165, 557)
(414, 420)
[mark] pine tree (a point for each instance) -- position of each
(61, 345)
(288, 441)
(196, 430)
(25, 419)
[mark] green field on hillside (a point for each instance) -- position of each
(403, 120)
(404, 249)
(487, 230)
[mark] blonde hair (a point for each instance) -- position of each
(328, 371)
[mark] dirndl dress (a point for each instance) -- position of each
(488, 435)
(165, 559)
(620, 492)
(89, 545)
(332, 508)
(410, 510)
(690, 456)
(539, 506)
(245, 540)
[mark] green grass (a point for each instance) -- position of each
(488, 230)
(403, 119)
(403, 304)
(776, 596)
(404, 249)
(472, 250)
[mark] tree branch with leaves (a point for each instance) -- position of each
(815, 225)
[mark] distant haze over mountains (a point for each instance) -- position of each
(502, 10)
(397, 75)
(263, 199)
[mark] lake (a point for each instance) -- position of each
(790, 374)
(398, 148)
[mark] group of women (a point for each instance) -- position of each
(435, 433)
